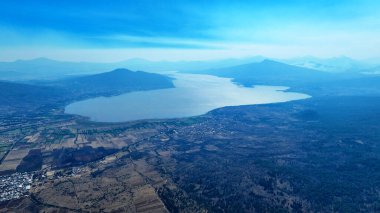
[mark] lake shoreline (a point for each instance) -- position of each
(193, 95)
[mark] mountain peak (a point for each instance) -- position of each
(269, 61)
(121, 70)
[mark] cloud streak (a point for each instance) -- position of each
(344, 27)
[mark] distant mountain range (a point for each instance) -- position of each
(336, 64)
(47, 69)
(373, 70)
(163, 66)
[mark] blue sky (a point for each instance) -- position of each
(179, 30)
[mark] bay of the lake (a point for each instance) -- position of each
(193, 95)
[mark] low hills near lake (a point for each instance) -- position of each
(76, 88)
(301, 79)
(115, 82)
(266, 72)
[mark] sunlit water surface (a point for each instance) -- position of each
(193, 95)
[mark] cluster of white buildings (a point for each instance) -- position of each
(15, 185)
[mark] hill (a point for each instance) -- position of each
(17, 95)
(310, 81)
(114, 82)
(60, 92)
(269, 72)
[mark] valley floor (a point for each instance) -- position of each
(320, 154)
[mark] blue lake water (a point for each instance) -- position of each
(193, 95)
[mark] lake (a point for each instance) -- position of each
(194, 95)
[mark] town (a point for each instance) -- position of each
(15, 186)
